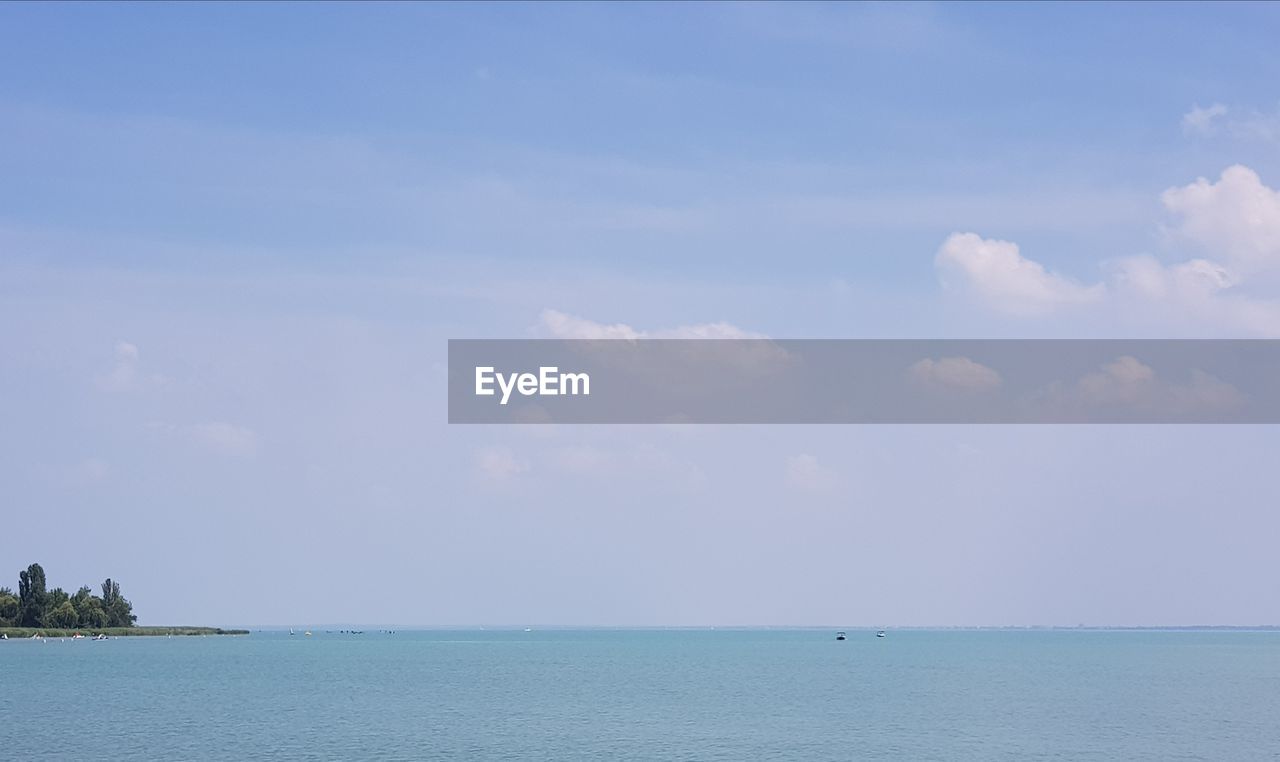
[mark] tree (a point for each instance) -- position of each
(37, 606)
(82, 596)
(93, 616)
(56, 598)
(89, 611)
(10, 606)
(119, 610)
(32, 596)
(63, 616)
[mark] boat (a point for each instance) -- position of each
(880, 634)
(100, 636)
(4, 636)
(307, 633)
(840, 636)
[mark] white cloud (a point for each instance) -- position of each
(1236, 218)
(751, 357)
(125, 375)
(958, 373)
(805, 472)
(582, 459)
(1200, 121)
(1235, 221)
(996, 273)
(499, 464)
(1122, 380)
(563, 326)
(720, 330)
(225, 438)
(1218, 120)
(1189, 296)
(1128, 383)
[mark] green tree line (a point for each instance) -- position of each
(35, 605)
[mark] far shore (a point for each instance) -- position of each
(114, 632)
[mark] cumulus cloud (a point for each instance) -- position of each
(225, 438)
(559, 325)
(499, 464)
(690, 362)
(805, 472)
(1244, 124)
(1236, 222)
(1200, 121)
(1236, 218)
(996, 273)
(1190, 295)
(1127, 383)
(954, 373)
(125, 374)
(1121, 380)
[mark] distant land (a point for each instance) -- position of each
(38, 611)
(114, 632)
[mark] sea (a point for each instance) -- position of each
(646, 695)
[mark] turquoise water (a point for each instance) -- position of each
(707, 695)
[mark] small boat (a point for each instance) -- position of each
(880, 634)
(307, 633)
(100, 636)
(840, 636)
(4, 636)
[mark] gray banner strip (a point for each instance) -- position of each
(864, 381)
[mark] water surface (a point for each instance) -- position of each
(694, 695)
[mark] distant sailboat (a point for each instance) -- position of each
(840, 635)
(880, 634)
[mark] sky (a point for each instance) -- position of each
(234, 240)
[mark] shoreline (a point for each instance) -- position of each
(115, 632)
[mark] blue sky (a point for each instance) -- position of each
(234, 239)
